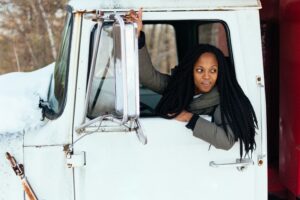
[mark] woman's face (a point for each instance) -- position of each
(205, 73)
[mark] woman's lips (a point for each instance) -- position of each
(205, 83)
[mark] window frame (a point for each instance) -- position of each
(48, 112)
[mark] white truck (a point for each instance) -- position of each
(101, 138)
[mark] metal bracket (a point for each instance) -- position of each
(76, 159)
(140, 133)
(262, 154)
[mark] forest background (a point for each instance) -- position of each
(30, 32)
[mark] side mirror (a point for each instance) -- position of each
(123, 84)
(126, 69)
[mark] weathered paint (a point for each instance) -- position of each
(165, 5)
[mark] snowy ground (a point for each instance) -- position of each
(19, 112)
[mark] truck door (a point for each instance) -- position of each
(10, 184)
(172, 164)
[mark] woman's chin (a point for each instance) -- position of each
(205, 89)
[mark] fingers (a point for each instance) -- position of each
(132, 13)
(140, 14)
(181, 118)
(133, 16)
(184, 116)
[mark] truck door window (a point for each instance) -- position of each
(58, 89)
(162, 48)
(167, 43)
(102, 99)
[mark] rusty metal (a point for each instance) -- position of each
(18, 168)
(84, 11)
(19, 171)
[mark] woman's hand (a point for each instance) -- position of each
(184, 116)
(136, 17)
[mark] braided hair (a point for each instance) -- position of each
(236, 109)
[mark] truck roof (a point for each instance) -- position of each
(165, 5)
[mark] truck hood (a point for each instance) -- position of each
(19, 99)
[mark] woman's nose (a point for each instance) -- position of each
(206, 75)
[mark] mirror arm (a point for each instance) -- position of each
(140, 133)
(82, 127)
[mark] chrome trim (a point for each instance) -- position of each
(260, 86)
(99, 119)
(140, 133)
(121, 22)
(240, 164)
(126, 123)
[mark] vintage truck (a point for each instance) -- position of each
(101, 138)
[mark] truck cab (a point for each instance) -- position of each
(101, 137)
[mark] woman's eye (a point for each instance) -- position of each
(199, 70)
(213, 70)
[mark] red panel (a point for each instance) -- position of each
(274, 183)
(275, 187)
(270, 47)
(269, 10)
(289, 162)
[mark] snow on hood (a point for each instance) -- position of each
(19, 111)
(19, 99)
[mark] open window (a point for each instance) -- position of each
(167, 43)
(162, 48)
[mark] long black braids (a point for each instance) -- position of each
(236, 109)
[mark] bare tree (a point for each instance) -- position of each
(30, 31)
(49, 28)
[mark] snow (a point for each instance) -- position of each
(19, 98)
(19, 112)
(10, 184)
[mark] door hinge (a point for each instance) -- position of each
(76, 159)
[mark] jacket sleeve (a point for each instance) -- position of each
(213, 132)
(149, 76)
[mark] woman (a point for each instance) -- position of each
(202, 84)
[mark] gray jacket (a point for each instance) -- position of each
(206, 104)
